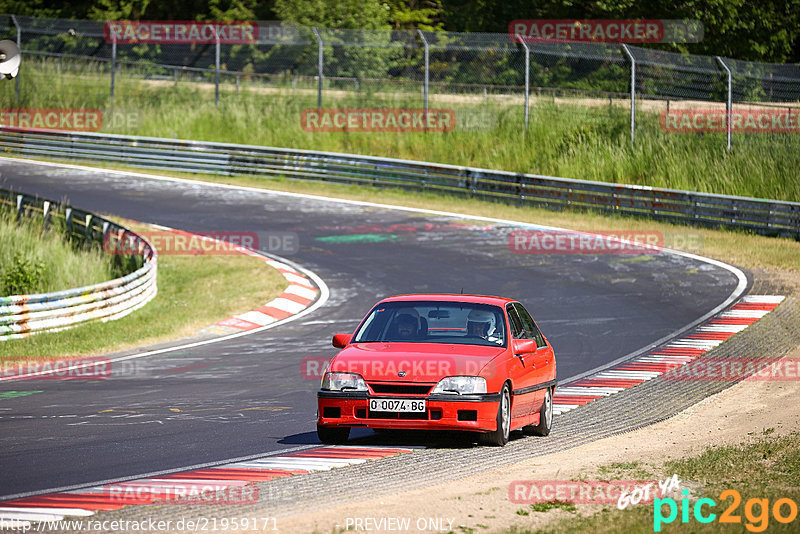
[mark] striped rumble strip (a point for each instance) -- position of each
(674, 354)
(299, 295)
(231, 483)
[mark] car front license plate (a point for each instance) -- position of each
(396, 405)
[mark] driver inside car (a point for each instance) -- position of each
(405, 326)
(481, 323)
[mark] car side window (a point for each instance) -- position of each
(516, 326)
(528, 325)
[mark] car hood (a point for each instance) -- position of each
(422, 362)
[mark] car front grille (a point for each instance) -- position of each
(401, 388)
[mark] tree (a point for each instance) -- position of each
(349, 14)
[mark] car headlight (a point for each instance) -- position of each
(461, 385)
(343, 381)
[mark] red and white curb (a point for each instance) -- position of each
(674, 354)
(197, 486)
(298, 296)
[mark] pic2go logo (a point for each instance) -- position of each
(755, 521)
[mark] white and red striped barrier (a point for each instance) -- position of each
(23, 315)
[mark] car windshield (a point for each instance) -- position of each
(434, 322)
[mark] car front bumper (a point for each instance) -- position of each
(443, 412)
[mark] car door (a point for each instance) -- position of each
(521, 368)
(541, 359)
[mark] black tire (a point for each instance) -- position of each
(545, 417)
(333, 435)
(499, 437)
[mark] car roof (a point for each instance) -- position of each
(447, 297)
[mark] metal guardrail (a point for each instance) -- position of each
(23, 315)
(769, 217)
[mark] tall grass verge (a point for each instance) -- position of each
(566, 137)
(193, 292)
(36, 260)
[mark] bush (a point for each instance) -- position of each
(23, 276)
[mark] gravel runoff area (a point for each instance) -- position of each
(300, 503)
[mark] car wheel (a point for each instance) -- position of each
(333, 435)
(545, 417)
(499, 437)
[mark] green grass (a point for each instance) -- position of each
(543, 507)
(36, 260)
(567, 140)
(193, 292)
(764, 469)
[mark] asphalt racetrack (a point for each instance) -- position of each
(247, 395)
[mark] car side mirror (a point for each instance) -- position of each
(524, 346)
(340, 341)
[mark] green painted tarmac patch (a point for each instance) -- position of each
(15, 394)
(358, 238)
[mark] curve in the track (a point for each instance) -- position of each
(249, 396)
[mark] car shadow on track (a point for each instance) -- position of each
(400, 438)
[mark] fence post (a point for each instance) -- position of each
(527, 75)
(216, 69)
(87, 230)
(729, 104)
(68, 222)
(45, 214)
(319, 66)
(113, 65)
(425, 87)
(19, 45)
(633, 89)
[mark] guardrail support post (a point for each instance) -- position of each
(729, 104)
(113, 65)
(527, 75)
(19, 45)
(87, 234)
(216, 70)
(45, 214)
(426, 85)
(106, 225)
(633, 89)
(319, 66)
(68, 222)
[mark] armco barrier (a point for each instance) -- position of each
(770, 217)
(23, 315)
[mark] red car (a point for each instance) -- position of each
(440, 362)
